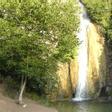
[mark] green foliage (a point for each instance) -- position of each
(44, 85)
(35, 36)
(100, 12)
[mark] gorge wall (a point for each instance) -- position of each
(68, 78)
(97, 71)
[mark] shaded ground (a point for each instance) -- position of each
(9, 105)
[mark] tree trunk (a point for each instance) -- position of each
(23, 84)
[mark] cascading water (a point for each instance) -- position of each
(81, 90)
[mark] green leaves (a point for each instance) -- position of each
(101, 13)
(36, 35)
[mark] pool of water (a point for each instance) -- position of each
(93, 107)
(83, 107)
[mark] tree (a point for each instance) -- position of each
(34, 35)
(100, 12)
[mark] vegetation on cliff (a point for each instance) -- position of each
(100, 12)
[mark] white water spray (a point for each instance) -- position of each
(81, 90)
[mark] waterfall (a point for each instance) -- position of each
(81, 90)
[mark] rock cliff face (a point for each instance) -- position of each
(68, 78)
(68, 73)
(97, 59)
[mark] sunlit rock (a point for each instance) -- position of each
(68, 78)
(97, 59)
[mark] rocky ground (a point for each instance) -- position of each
(8, 105)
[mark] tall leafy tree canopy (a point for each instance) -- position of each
(35, 35)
